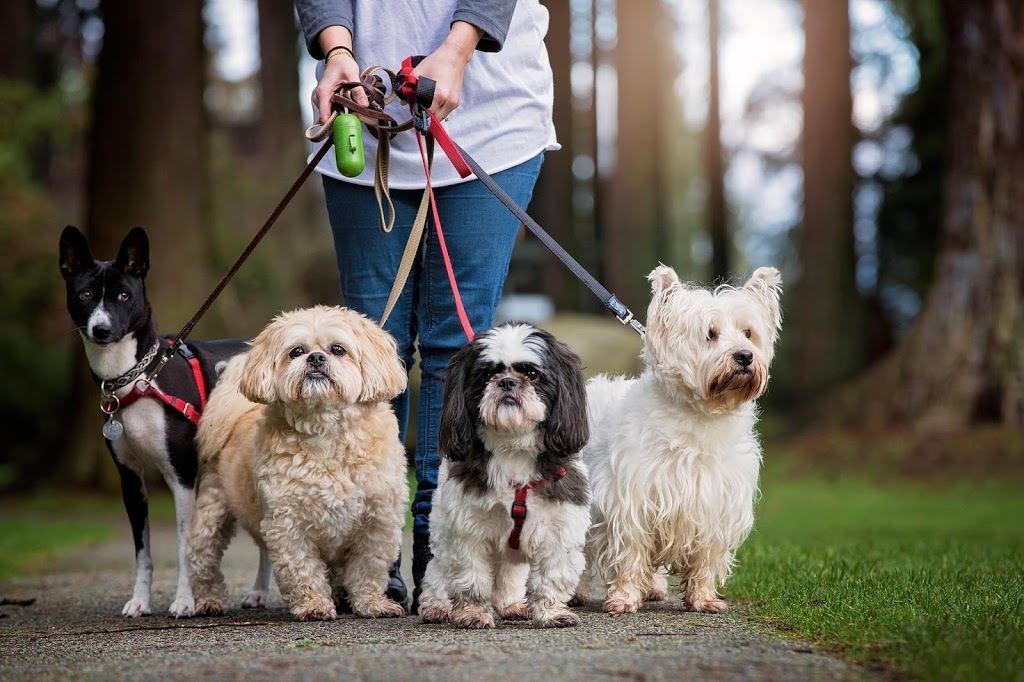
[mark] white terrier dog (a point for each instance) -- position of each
(673, 456)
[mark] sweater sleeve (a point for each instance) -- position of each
(493, 17)
(316, 15)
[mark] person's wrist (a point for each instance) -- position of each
(339, 50)
(462, 40)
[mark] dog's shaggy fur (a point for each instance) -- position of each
(298, 445)
(674, 459)
(514, 413)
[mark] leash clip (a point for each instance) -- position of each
(421, 119)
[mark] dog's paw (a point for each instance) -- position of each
(616, 606)
(516, 611)
(182, 608)
(315, 611)
(708, 605)
(378, 608)
(255, 599)
(473, 618)
(210, 606)
(656, 594)
(557, 618)
(435, 614)
(135, 607)
(579, 599)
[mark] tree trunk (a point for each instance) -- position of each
(631, 230)
(17, 30)
(963, 362)
(714, 172)
(147, 166)
(280, 119)
(824, 330)
(552, 202)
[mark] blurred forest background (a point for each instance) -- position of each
(873, 150)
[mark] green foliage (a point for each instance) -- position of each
(26, 542)
(35, 359)
(925, 581)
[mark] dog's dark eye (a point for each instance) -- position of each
(123, 296)
(712, 334)
(531, 374)
(746, 333)
(338, 349)
(296, 352)
(85, 295)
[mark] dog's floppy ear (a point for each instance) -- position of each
(457, 433)
(257, 383)
(566, 429)
(133, 256)
(74, 252)
(765, 285)
(384, 373)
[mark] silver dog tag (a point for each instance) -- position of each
(112, 429)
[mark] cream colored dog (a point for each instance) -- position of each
(674, 455)
(299, 446)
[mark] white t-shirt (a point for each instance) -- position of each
(504, 116)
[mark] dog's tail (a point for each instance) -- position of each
(224, 410)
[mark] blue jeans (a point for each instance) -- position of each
(479, 232)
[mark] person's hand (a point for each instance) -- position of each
(446, 64)
(340, 68)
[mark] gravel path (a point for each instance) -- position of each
(86, 589)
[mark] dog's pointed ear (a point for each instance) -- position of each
(75, 256)
(457, 433)
(384, 373)
(567, 428)
(133, 256)
(257, 383)
(765, 285)
(663, 280)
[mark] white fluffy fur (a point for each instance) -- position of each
(316, 474)
(469, 539)
(673, 456)
(474, 573)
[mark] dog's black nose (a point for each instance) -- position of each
(101, 332)
(316, 359)
(507, 383)
(743, 357)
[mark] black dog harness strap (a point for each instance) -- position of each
(518, 511)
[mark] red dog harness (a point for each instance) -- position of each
(518, 511)
(143, 388)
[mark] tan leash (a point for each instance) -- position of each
(383, 127)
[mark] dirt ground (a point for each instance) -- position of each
(74, 630)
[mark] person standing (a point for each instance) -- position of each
(494, 85)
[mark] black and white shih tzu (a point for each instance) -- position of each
(512, 508)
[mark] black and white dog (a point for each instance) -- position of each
(512, 507)
(107, 302)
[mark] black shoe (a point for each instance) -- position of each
(421, 556)
(397, 591)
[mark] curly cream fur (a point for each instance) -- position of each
(316, 475)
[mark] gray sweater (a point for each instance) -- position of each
(491, 16)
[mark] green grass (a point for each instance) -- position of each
(27, 542)
(36, 527)
(921, 581)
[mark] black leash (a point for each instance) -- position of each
(607, 298)
(418, 91)
(242, 257)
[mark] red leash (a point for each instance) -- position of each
(409, 90)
